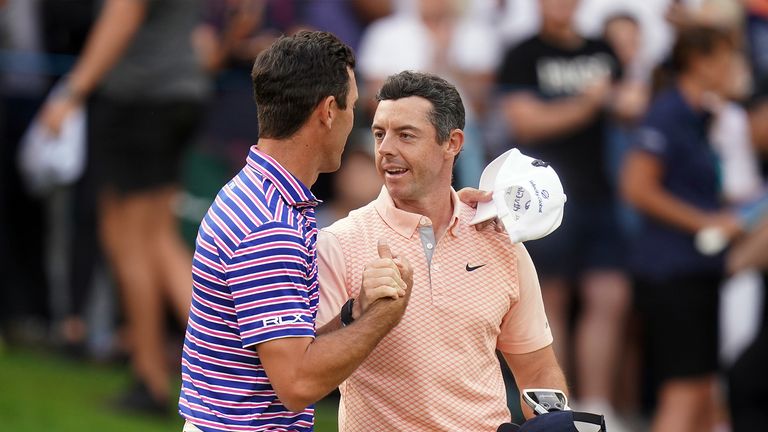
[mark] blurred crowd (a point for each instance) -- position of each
(653, 113)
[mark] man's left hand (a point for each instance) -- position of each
(472, 196)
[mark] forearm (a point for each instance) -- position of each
(332, 357)
(340, 352)
(533, 119)
(663, 206)
(538, 369)
(549, 377)
(118, 22)
(332, 325)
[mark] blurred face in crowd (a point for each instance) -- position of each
(340, 128)
(558, 13)
(438, 16)
(623, 34)
(357, 183)
(408, 155)
(713, 69)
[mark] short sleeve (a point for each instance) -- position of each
(268, 277)
(525, 328)
(650, 139)
(475, 47)
(517, 70)
(331, 270)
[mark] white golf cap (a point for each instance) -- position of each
(527, 196)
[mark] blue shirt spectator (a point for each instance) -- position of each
(677, 134)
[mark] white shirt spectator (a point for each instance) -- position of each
(402, 41)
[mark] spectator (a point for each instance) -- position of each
(230, 36)
(347, 19)
(747, 393)
(148, 89)
(757, 36)
(671, 178)
(631, 97)
(355, 184)
(65, 26)
(555, 91)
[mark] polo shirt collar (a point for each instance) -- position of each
(405, 223)
(293, 191)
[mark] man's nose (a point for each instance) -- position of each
(386, 147)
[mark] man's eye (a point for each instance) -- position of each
(378, 135)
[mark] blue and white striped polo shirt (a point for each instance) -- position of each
(254, 280)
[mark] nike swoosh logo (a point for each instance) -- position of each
(470, 268)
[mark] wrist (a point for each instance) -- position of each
(357, 309)
(66, 91)
(347, 314)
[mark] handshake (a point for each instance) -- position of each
(387, 283)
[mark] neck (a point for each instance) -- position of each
(692, 92)
(437, 206)
(565, 36)
(295, 155)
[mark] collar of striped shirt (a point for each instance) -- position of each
(294, 192)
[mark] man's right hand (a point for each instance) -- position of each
(388, 277)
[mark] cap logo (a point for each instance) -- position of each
(539, 163)
(538, 195)
(518, 200)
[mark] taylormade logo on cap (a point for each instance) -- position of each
(527, 196)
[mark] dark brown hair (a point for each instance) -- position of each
(293, 75)
(447, 111)
(697, 40)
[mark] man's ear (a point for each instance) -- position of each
(326, 111)
(455, 143)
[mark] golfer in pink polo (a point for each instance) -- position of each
(474, 291)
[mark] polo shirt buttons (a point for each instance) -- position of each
(424, 221)
(430, 246)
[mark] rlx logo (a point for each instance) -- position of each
(266, 322)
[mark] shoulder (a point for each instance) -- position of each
(525, 48)
(598, 45)
(663, 110)
(485, 237)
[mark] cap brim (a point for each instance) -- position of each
(487, 210)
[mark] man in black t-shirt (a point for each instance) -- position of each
(556, 88)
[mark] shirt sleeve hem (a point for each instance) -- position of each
(250, 342)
